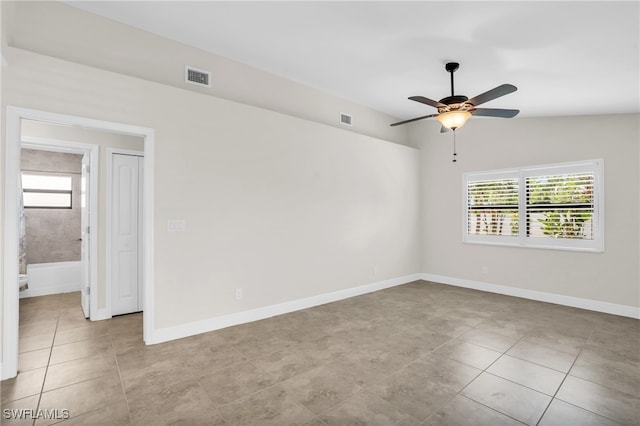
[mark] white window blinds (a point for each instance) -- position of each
(553, 206)
(493, 207)
(560, 206)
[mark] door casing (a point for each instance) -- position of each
(11, 174)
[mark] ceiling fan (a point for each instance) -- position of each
(455, 110)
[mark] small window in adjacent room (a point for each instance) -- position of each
(556, 206)
(45, 191)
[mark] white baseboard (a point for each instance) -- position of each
(217, 323)
(211, 324)
(558, 299)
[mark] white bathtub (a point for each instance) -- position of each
(53, 278)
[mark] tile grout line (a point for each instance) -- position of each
(206, 394)
(218, 407)
(44, 379)
(563, 380)
(459, 392)
(477, 402)
(586, 380)
(485, 371)
(124, 394)
(213, 405)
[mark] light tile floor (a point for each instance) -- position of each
(417, 354)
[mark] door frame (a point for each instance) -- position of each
(109, 242)
(93, 150)
(11, 174)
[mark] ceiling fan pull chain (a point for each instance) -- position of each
(454, 146)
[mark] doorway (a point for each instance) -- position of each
(60, 258)
(98, 309)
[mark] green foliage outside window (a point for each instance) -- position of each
(573, 191)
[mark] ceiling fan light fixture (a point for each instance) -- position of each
(453, 119)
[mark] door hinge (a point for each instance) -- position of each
(87, 290)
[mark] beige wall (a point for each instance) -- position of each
(283, 207)
(104, 140)
(58, 30)
(487, 144)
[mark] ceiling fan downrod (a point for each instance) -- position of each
(452, 67)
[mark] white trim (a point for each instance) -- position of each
(55, 145)
(10, 248)
(58, 145)
(542, 296)
(133, 152)
(148, 286)
(108, 312)
(211, 324)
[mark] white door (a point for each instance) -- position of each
(85, 234)
(125, 234)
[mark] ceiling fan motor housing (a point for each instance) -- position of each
(463, 106)
(457, 99)
(455, 103)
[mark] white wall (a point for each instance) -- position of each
(2, 120)
(283, 207)
(486, 144)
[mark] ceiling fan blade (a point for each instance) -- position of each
(502, 90)
(444, 129)
(495, 112)
(414, 119)
(427, 101)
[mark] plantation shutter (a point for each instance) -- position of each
(554, 206)
(492, 207)
(560, 206)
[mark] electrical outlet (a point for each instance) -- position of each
(239, 293)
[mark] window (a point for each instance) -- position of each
(556, 206)
(46, 191)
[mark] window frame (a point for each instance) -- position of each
(522, 239)
(48, 191)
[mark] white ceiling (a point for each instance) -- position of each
(566, 58)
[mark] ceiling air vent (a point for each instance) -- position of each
(196, 76)
(345, 119)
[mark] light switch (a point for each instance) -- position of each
(176, 225)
